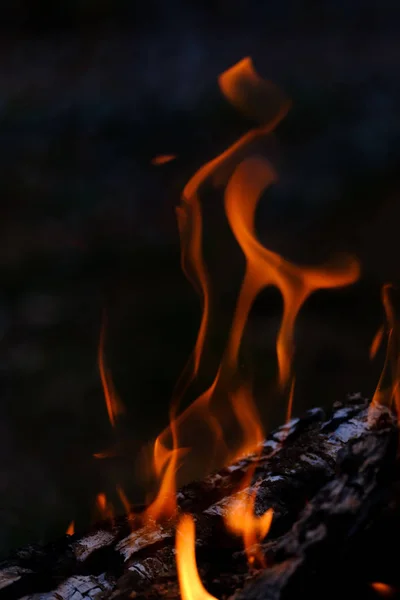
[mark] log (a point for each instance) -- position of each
(318, 474)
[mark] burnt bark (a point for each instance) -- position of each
(329, 482)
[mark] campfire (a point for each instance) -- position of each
(308, 508)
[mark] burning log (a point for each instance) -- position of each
(327, 481)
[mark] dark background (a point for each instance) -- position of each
(90, 92)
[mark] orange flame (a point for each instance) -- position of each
(256, 98)
(124, 500)
(269, 105)
(114, 405)
(71, 528)
(104, 508)
(162, 159)
(265, 268)
(241, 520)
(383, 589)
(250, 94)
(289, 410)
(376, 342)
(190, 584)
(245, 180)
(387, 391)
(247, 415)
(165, 464)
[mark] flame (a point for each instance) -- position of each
(162, 159)
(387, 391)
(190, 584)
(383, 589)
(241, 520)
(165, 464)
(124, 500)
(289, 410)
(101, 501)
(247, 415)
(376, 342)
(245, 179)
(265, 268)
(104, 508)
(114, 405)
(71, 528)
(249, 93)
(256, 98)
(269, 105)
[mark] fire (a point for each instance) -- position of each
(250, 94)
(247, 415)
(114, 405)
(267, 104)
(124, 500)
(265, 268)
(190, 584)
(289, 410)
(376, 342)
(387, 391)
(383, 589)
(166, 464)
(241, 520)
(71, 528)
(104, 508)
(245, 176)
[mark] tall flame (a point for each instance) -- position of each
(113, 403)
(265, 102)
(268, 104)
(245, 179)
(190, 584)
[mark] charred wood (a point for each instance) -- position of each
(321, 476)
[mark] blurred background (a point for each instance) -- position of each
(90, 93)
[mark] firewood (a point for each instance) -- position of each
(304, 473)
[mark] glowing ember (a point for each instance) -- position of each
(190, 584)
(71, 528)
